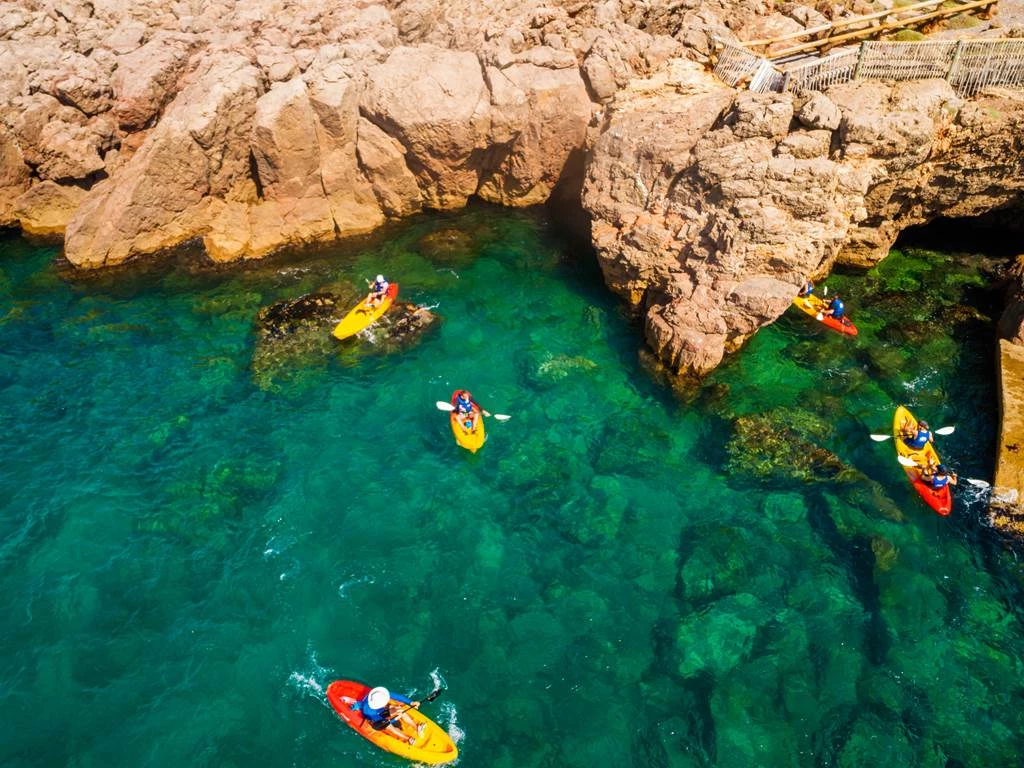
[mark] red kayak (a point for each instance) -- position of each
(431, 745)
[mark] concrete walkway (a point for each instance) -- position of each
(1007, 503)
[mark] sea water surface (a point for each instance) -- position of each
(197, 534)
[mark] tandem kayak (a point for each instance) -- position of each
(940, 500)
(814, 306)
(363, 316)
(471, 440)
(432, 746)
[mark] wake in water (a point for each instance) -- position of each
(343, 589)
(449, 714)
(313, 680)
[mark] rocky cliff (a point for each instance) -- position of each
(132, 128)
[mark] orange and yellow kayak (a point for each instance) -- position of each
(814, 306)
(432, 745)
(940, 500)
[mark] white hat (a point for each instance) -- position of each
(379, 697)
(380, 278)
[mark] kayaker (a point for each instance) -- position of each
(917, 438)
(378, 289)
(467, 410)
(376, 708)
(807, 290)
(836, 309)
(939, 477)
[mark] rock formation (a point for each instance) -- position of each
(252, 127)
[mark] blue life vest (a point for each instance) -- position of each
(462, 405)
(920, 440)
(837, 308)
(380, 287)
(940, 482)
(376, 715)
(808, 288)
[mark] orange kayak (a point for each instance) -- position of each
(432, 745)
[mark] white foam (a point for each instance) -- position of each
(449, 713)
(353, 582)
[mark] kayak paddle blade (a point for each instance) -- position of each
(945, 431)
(443, 406)
(880, 438)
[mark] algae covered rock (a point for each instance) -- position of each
(293, 336)
(450, 247)
(720, 637)
(782, 444)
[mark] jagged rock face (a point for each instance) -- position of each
(711, 207)
(261, 125)
(258, 126)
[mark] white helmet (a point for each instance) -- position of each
(380, 278)
(379, 697)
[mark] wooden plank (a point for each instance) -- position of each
(849, 36)
(842, 23)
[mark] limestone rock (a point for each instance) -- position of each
(144, 81)
(434, 102)
(760, 114)
(198, 150)
(818, 112)
(46, 208)
(382, 160)
(549, 111)
(14, 176)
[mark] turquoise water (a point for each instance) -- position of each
(197, 536)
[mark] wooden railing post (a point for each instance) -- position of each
(951, 72)
(860, 59)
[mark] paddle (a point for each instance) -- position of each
(443, 406)
(941, 431)
(431, 697)
(906, 461)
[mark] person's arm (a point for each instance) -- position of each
(952, 478)
(403, 699)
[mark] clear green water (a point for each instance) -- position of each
(193, 545)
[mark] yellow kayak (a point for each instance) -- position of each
(473, 440)
(363, 316)
(431, 744)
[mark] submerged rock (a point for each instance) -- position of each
(294, 335)
(450, 247)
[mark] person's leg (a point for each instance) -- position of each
(398, 733)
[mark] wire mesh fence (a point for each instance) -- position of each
(968, 65)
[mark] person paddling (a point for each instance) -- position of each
(939, 477)
(807, 290)
(467, 411)
(917, 438)
(836, 309)
(378, 289)
(376, 708)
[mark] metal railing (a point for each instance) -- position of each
(968, 65)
